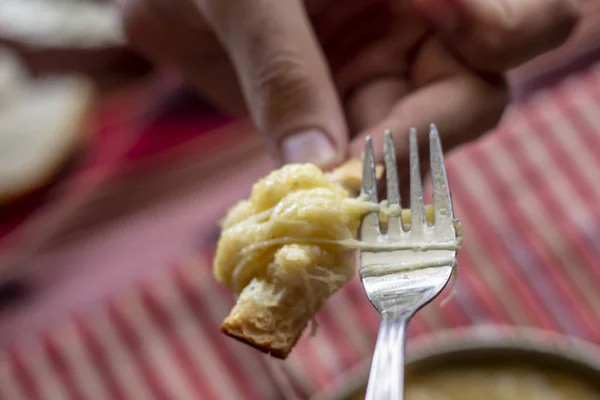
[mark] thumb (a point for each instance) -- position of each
(495, 35)
(284, 77)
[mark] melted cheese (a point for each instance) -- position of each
(298, 217)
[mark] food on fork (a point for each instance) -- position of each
(274, 253)
(289, 247)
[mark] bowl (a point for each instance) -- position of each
(484, 347)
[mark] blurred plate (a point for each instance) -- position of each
(488, 345)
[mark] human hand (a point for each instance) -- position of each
(317, 76)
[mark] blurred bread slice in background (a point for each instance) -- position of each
(71, 36)
(61, 23)
(43, 124)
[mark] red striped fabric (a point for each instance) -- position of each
(527, 198)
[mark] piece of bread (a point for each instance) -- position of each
(269, 322)
(271, 315)
(349, 175)
(271, 319)
(43, 123)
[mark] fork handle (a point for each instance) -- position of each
(386, 379)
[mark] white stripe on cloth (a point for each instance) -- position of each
(494, 214)
(282, 379)
(126, 371)
(587, 107)
(10, 387)
(502, 162)
(569, 137)
(483, 263)
(554, 177)
(588, 170)
(160, 357)
(69, 343)
(485, 260)
(304, 356)
(191, 338)
(345, 317)
(294, 368)
(43, 373)
(326, 351)
(585, 103)
(199, 278)
(541, 220)
(203, 351)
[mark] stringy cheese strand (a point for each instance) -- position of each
(350, 243)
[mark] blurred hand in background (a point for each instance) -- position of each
(317, 76)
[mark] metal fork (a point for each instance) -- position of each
(400, 282)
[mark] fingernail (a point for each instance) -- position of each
(308, 147)
(441, 13)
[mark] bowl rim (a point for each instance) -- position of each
(481, 337)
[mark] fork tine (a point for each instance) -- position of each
(369, 178)
(393, 192)
(369, 230)
(442, 200)
(417, 213)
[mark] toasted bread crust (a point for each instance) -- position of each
(271, 316)
(269, 347)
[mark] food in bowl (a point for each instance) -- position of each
(497, 382)
(491, 363)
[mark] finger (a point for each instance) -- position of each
(495, 35)
(284, 77)
(372, 101)
(471, 108)
(462, 105)
(175, 36)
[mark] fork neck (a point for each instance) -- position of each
(386, 380)
(400, 316)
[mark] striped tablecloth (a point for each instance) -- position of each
(527, 195)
